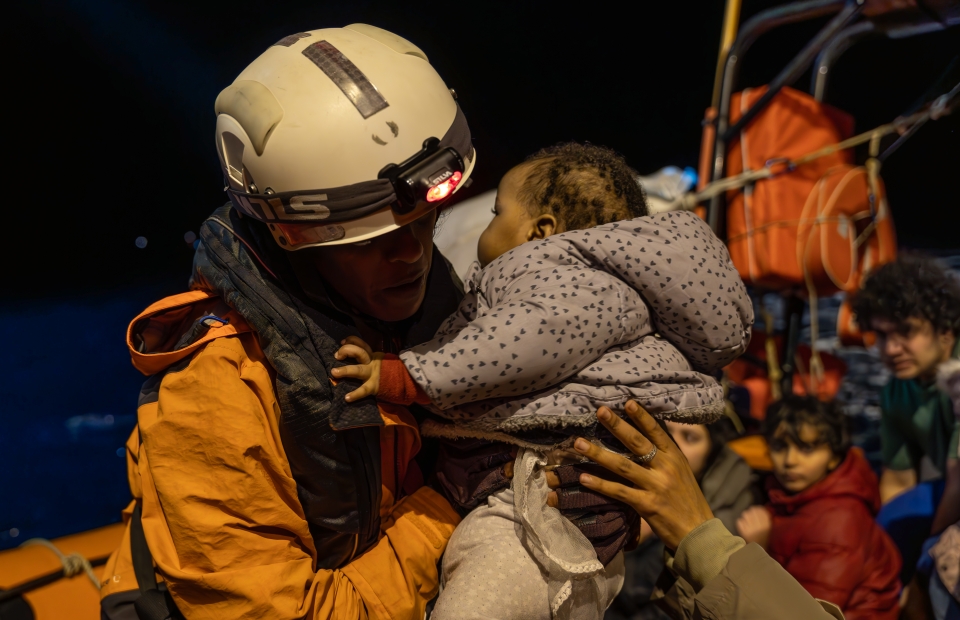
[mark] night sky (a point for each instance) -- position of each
(109, 122)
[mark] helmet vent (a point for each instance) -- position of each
(253, 106)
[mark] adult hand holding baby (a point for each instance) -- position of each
(665, 492)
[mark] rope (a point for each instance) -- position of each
(774, 372)
(820, 219)
(73, 563)
(939, 108)
(816, 362)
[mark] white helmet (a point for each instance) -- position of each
(339, 135)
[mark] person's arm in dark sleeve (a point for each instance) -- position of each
(899, 469)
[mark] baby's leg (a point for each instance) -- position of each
(487, 573)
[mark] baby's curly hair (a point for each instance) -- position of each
(911, 286)
(582, 185)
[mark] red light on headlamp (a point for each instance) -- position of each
(430, 176)
(443, 189)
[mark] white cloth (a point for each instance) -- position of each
(495, 566)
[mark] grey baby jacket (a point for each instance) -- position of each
(641, 309)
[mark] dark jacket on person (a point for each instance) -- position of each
(826, 537)
(728, 486)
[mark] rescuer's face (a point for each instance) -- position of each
(385, 278)
(512, 222)
(913, 348)
(798, 465)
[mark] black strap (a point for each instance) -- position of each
(16, 608)
(155, 602)
(39, 582)
(142, 558)
(152, 605)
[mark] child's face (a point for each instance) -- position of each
(512, 223)
(798, 466)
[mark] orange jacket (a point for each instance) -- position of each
(219, 503)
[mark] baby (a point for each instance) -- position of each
(580, 300)
(820, 523)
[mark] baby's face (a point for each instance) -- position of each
(511, 224)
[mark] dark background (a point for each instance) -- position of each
(109, 134)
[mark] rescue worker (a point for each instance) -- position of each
(259, 492)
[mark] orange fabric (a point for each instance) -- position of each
(753, 449)
(806, 223)
(754, 378)
(835, 217)
(762, 220)
(75, 597)
(849, 332)
(220, 507)
(166, 321)
(399, 443)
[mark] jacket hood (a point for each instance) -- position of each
(852, 479)
(681, 270)
(173, 328)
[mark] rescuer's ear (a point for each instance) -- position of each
(542, 227)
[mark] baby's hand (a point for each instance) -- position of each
(754, 525)
(368, 370)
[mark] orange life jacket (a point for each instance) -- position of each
(822, 225)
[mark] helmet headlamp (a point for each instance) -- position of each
(430, 176)
(307, 217)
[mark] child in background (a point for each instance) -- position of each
(581, 302)
(819, 524)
